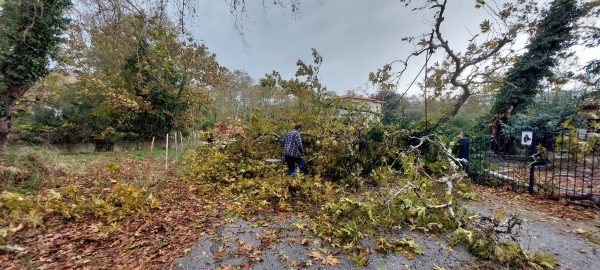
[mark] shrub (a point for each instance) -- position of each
(547, 113)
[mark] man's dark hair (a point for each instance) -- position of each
(297, 127)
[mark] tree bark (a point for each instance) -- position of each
(9, 98)
(5, 125)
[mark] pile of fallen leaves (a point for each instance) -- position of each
(559, 208)
(74, 198)
(102, 217)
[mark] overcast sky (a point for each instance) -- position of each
(355, 37)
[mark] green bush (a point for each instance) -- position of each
(547, 113)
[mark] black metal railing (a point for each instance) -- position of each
(557, 164)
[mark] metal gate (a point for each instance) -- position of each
(557, 164)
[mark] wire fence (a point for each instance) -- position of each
(558, 164)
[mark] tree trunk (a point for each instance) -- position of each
(9, 98)
(5, 125)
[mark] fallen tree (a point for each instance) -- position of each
(363, 181)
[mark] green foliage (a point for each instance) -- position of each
(544, 260)
(399, 110)
(409, 113)
(348, 188)
(546, 113)
(165, 77)
(26, 174)
(135, 80)
(569, 142)
(484, 244)
(468, 121)
(240, 97)
(407, 247)
(29, 33)
(553, 34)
(15, 210)
(397, 193)
(71, 112)
(212, 164)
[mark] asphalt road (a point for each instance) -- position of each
(280, 244)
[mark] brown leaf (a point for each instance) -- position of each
(331, 260)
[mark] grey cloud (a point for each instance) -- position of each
(354, 36)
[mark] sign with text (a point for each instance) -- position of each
(526, 137)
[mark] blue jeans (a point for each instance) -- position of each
(292, 162)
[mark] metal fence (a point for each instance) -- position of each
(557, 164)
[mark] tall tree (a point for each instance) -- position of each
(553, 34)
(29, 34)
(394, 107)
(167, 78)
(142, 74)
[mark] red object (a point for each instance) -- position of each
(228, 130)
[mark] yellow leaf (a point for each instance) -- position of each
(499, 214)
(300, 225)
(154, 203)
(315, 255)
(54, 194)
(331, 260)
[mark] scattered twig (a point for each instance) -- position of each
(11, 248)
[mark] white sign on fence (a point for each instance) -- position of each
(526, 137)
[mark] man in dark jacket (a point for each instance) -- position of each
(293, 150)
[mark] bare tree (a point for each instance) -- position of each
(458, 74)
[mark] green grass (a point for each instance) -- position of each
(32, 163)
(115, 156)
(50, 153)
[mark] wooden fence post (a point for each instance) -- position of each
(181, 141)
(176, 145)
(152, 145)
(167, 154)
